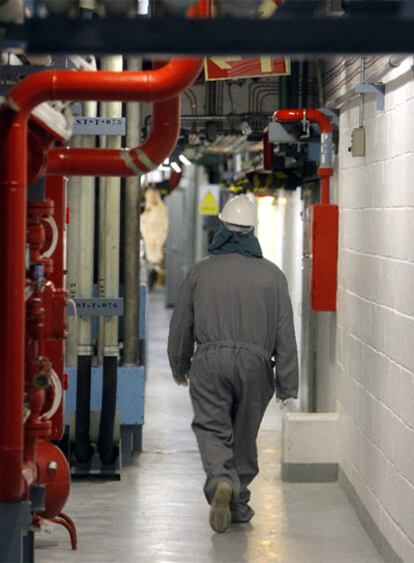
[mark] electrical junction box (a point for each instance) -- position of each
(358, 142)
(324, 252)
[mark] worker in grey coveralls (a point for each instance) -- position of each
(235, 306)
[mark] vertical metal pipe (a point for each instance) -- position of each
(109, 281)
(132, 236)
(86, 233)
(110, 236)
(362, 96)
(85, 263)
(73, 251)
(301, 93)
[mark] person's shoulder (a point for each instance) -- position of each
(272, 268)
(199, 266)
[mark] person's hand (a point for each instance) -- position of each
(284, 402)
(181, 380)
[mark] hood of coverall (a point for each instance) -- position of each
(226, 241)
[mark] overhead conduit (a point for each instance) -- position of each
(151, 86)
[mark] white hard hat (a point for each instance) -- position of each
(240, 210)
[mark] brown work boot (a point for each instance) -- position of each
(220, 515)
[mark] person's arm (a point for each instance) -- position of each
(181, 338)
(286, 353)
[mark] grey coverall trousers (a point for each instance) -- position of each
(231, 385)
(237, 310)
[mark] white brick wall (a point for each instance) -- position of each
(375, 320)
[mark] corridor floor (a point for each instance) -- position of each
(157, 512)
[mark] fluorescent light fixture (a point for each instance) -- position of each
(175, 167)
(184, 160)
(166, 162)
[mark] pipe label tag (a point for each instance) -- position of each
(99, 126)
(98, 307)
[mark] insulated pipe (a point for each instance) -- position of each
(132, 238)
(109, 235)
(153, 85)
(73, 246)
(325, 162)
(123, 162)
(85, 267)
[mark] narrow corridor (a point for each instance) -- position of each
(157, 513)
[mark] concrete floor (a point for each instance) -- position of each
(157, 513)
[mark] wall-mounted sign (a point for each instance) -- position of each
(209, 200)
(234, 67)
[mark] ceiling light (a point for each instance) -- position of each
(175, 167)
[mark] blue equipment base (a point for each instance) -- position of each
(129, 396)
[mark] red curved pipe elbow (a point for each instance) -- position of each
(124, 162)
(313, 115)
(142, 86)
(133, 86)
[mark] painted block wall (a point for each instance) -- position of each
(375, 318)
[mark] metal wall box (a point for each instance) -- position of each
(358, 141)
(324, 252)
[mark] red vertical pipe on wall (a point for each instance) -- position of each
(325, 190)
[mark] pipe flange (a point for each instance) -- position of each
(84, 350)
(112, 351)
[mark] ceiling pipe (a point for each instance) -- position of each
(153, 86)
(325, 170)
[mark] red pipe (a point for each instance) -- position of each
(124, 162)
(128, 86)
(268, 148)
(155, 85)
(315, 116)
(13, 134)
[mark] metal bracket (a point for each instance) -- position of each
(377, 89)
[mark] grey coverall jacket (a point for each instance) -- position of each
(238, 311)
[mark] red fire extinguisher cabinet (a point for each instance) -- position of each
(324, 251)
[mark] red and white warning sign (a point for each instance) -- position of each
(234, 67)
